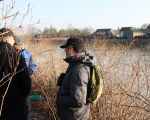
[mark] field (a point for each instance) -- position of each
(126, 71)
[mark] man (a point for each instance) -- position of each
(72, 94)
(15, 83)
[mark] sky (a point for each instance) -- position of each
(95, 14)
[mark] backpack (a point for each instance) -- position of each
(95, 84)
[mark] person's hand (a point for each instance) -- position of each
(60, 79)
(33, 78)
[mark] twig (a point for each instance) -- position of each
(25, 15)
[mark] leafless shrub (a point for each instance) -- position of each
(126, 94)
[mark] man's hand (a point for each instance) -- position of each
(60, 79)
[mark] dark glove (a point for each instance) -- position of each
(60, 79)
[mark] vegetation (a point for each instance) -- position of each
(63, 33)
(126, 94)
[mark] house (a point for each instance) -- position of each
(125, 32)
(115, 33)
(103, 33)
(138, 33)
(148, 31)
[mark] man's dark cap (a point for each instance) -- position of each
(76, 43)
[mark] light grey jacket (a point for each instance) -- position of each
(71, 98)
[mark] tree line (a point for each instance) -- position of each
(52, 32)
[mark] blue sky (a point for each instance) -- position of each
(84, 13)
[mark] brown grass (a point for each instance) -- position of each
(126, 94)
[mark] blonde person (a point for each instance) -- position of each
(15, 83)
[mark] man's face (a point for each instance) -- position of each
(70, 52)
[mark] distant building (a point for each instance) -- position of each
(103, 33)
(115, 33)
(125, 32)
(148, 31)
(129, 32)
(138, 33)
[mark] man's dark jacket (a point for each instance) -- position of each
(14, 106)
(72, 94)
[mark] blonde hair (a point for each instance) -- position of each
(5, 32)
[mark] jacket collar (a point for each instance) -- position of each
(72, 59)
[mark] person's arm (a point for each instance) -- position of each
(32, 66)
